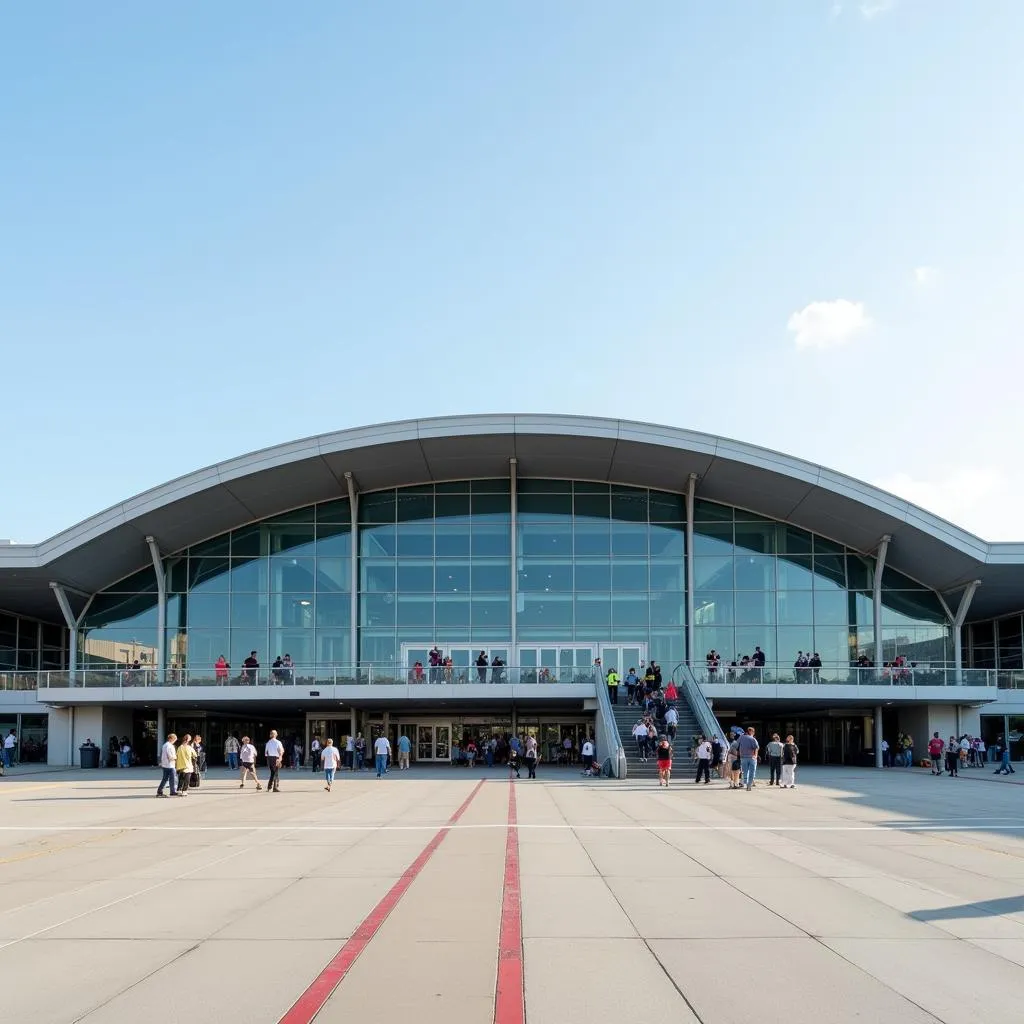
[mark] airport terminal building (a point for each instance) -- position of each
(304, 587)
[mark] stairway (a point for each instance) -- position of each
(626, 717)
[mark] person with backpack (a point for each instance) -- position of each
(935, 749)
(775, 751)
(790, 752)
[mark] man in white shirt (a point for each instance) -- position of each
(10, 745)
(274, 751)
(671, 723)
(168, 766)
(640, 735)
(247, 754)
(314, 754)
(588, 755)
(330, 758)
(703, 761)
(381, 751)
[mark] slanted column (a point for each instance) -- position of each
(958, 625)
(72, 622)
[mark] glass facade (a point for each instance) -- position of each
(594, 563)
(27, 645)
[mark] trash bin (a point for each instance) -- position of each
(89, 757)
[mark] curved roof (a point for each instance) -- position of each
(111, 544)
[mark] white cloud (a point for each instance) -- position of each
(924, 277)
(873, 8)
(828, 324)
(972, 498)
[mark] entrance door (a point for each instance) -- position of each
(623, 657)
(433, 742)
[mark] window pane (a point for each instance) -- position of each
(208, 574)
(337, 511)
(415, 576)
(667, 508)
(379, 576)
(750, 637)
(792, 640)
(628, 539)
(829, 572)
(377, 540)
(333, 540)
(451, 577)
(294, 611)
(630, 614)
(544, 506)
(712, 539)
(377, 610)
(754, 607)
(833, 645)
(452, 610)
(592, 539)
(713, 573)
(592, 506)
(291, 540)
(668, 609)
(490, 575)
(758, 537)
(208, 610)
(629, 575)
(593, 575)
(332, 647)
(831, 608)
(416, 610)
(213, 547)
(452, 541)
(452, 506)
(204, 646)
(713, 608)
(491, 612)
(377, 508)
(545, 539)
(378, 648)
(667, 576)
(292, 575)
(795, 608)
(333, 609)
(793, 541)
(795, 573)
(711, 512)
(415, 540)
(668, 541)
(755, 572)
(545, 576)
(249, 610)
(490, 540)
(548, 610)
(250, 575)
(593, 610)
(714, 638)
(629, 504)
(333, 574)
(497, 507)
(415, 507)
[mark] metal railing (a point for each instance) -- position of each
(685, 680)
(311, 676)
(848, 675)
(611, 739)
(18, 680)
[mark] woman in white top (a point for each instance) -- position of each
(330, 758)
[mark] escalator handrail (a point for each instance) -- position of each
(612, 740)
(699, 705)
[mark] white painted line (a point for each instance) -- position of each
(883, 827)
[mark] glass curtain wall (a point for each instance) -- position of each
(594, 564)
(758, 582)
(27, 644)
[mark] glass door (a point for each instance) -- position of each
(623, 657)
(432, 742)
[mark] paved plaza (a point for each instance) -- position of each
(860, 895)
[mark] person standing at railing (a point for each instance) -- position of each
(612, 681)
(250, 669)
(434, 659)
(814, 663)
(481, 667)
(220, 670)
(497, 669)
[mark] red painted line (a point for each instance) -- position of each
(509, 1000)
(312, 1001)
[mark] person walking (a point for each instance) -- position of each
(404, 750)
(168, 766)
(774, 750)
(790, 753)
(1005, 768)
(588, 755)
(532, 756)
(663, 754)
(640, 735)
(671, 723)
(381, 752)
(274, 752)
(360, 752)
(953, 758)
(330, 758)
(748, 750)
(298, 754)
(703, 761)
(184, 759)
(231, 749)
(612, 679)
(935, 749)
(247, 755)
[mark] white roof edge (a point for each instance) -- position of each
(124, 512)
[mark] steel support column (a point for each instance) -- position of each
(161, 611)
(73, 623)
(878, 737)
(880, 556)
(513, 466)
(161, 728)
(691, 489)
(958, 626)
(353, 579)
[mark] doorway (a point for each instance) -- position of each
(433, 741)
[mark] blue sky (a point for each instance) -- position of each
(229, 225)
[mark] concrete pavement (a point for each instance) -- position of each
(892, 895)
